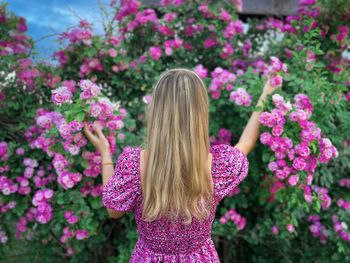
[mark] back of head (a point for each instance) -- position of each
(177, 181)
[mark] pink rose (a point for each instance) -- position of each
(156, 53)
(277, 130)
(299, 163)
(293, 180)
(276, 81)
(290, 228)
(112, 52)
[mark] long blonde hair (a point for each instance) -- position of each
(177, 178)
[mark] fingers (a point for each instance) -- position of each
(98, 131)
(89, 134)
(86, 131)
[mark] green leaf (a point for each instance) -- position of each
(90, 52)
(96, 203)
(130, 124)
(318, 206)
(52, 132)
(212, 108)
(20, 208)
(83, 163)
(61, 199)
(75, 196)
(80, 116)
(266, 157)
(70, 118)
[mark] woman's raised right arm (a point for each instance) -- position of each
(250, 133)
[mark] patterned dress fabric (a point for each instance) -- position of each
(164, 240)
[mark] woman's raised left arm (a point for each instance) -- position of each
(101, 144)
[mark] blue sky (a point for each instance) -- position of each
(51, 17)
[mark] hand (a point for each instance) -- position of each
(99, 141)
(268, 88)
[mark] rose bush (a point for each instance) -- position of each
(286, 210)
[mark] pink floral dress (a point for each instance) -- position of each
(163, 240)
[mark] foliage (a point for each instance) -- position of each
(267, 219)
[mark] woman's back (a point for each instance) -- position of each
(164, 240)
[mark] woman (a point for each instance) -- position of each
(175, 183)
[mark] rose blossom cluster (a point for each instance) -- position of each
(306, 9)
(317, 229)
(155, 52)
(305, 12)
(66, 178)
(127, 8)
(6, 207)
(191, 27)
(345, 182)
(232, 215)
(7, 185)
(13, 40)
(171, 44)
(224, 136)
(275, 230)
(70, 133)
(3, 237)
(81, 234)
(40, 180)
(241, 97)
(23, 181)
(169, 17)
(81, 34)
(35, 134)
(343, 204)
(274, 188)
(89, 65)
(70, 217)
(27, 73)
(68, 233)
(72, 138)
(275, 68)
(61, 95)
(43, 210)
(147, 98)
(290, 228)
(3, 151)
(340, 228)
(89, 89)
(204, 9)
(294, 156)
(233, 28)
(33, 214)
(323, 196)
(221, 78)
(93, 168)
(201, 71)
(307, 192)
(21, 225)
(142, 18)
(62, 57)
(165, 30)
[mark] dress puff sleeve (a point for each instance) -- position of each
(231, 168)
(122, 189)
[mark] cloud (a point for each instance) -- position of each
(54, 17)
